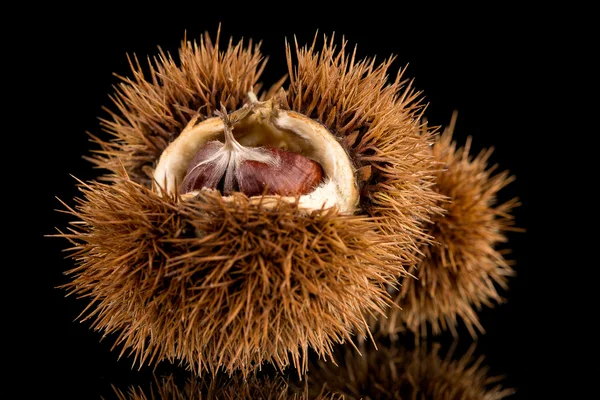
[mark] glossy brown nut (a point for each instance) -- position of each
(293, 175)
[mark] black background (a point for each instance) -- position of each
(476, 62)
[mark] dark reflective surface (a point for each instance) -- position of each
(393, 371)
(78, 366)
(77, 59)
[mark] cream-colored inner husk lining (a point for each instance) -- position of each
(259, 124)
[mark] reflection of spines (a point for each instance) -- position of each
(400, 373)
(234, 388)
(389, 372)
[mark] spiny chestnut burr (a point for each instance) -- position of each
(465, 268)
(270, 171)
(217, 282)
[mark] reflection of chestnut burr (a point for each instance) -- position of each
(389, 372)
(396, 372)
(217, 388)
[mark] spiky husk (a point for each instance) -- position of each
(395, 372)
(152, 107)
(227, 285)
(464, 268)
(221, 284)
(232, 388)
(380, 124)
